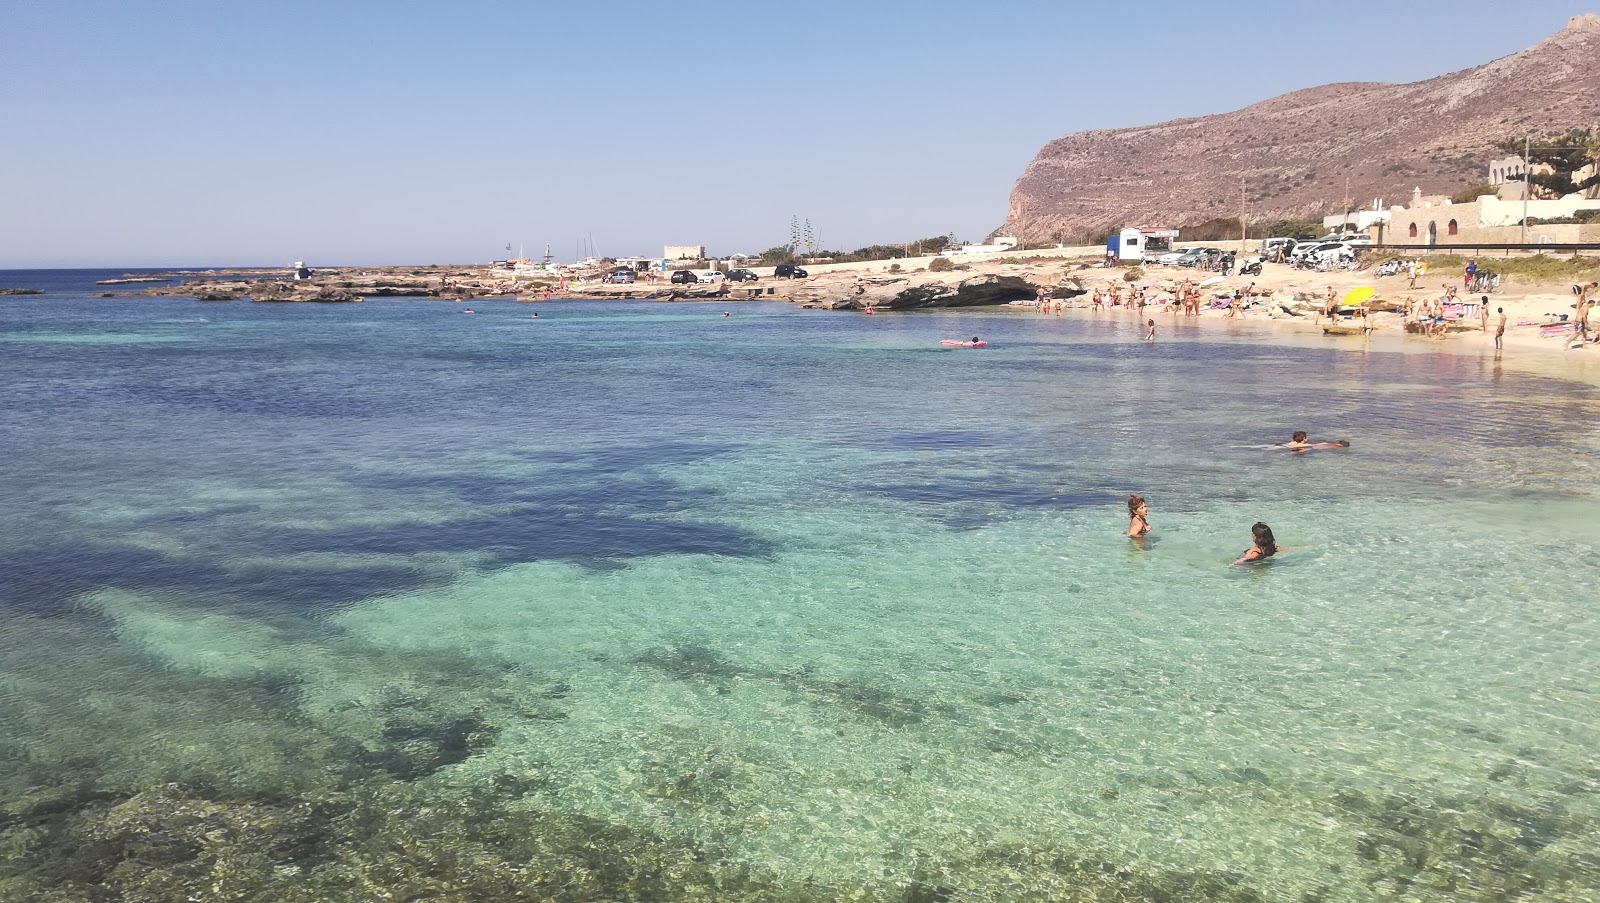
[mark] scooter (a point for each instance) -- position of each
(1251, 269)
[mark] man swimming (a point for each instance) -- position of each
(1299, 442)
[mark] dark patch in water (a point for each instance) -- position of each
(524, 533)
(996, 490)
(415, 749)
(691, 663)
(46, 579)
(880, 705)
(614, 459)
(269, 399)
(933, 440)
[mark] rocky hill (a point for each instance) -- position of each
(1293, 153)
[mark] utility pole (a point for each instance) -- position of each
(1242, 228)
(1527, 184)
(1346, 205)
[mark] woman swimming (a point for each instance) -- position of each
(1138, 525)
(1265, 545)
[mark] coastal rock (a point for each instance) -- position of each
(978, 291)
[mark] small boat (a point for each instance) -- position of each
(1343, 330)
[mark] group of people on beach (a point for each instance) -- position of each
(1263, 545)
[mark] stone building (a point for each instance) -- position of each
(1489, 219)
(684, 252)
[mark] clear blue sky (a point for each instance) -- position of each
(212, 133)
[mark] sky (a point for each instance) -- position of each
(155, 134)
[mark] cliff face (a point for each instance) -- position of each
(1293, 153)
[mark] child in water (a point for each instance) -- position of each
(1150, 331)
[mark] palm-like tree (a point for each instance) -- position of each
(1592, 151)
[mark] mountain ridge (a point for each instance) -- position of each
(1292, 154)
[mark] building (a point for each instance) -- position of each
(684, 252)
(1490, 220)
(1000, 243)
(1357, 220)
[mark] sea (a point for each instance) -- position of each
(638, 601)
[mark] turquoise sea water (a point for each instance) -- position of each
(635, 601)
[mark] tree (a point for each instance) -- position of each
(774, 256)
(1562, 154)
(794, 234)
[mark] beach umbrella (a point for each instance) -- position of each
(1358, 296)
(1212, 281)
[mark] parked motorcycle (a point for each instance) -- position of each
(1251, 269)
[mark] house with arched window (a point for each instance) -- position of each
(1490, 219)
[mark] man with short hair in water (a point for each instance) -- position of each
(1299, 442)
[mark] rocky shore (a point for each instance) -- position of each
(912, 290)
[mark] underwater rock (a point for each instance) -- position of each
(416, 749)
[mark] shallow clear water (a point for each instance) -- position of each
(796, 601)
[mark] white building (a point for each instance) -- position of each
(1000, 243)
(1357, 220)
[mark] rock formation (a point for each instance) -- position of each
(1293, 153)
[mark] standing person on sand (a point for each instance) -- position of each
(1483, 314)
(1466, 278)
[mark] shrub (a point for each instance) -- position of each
(940, 265)
(894, 267)
(1468, 195)
(1133, 275)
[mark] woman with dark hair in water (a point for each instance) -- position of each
(1138, 526)
(1265, 545)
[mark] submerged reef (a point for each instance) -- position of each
(389, 792)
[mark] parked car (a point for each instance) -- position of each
(789, 271)
(742, 275)
(1308, 248)
(622, 275)
(1269, 248)
(1358, 239)
(684, 277)
(1171, 258)
(711, 276)
(1189, 257)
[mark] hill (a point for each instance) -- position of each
(1293, 153)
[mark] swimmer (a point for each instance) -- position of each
(1264, 547)
(1138, 525)
(1150, 332)
(974, 340)
(726, 314)
(1299, 442)
(534, 317)
(468, 311)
